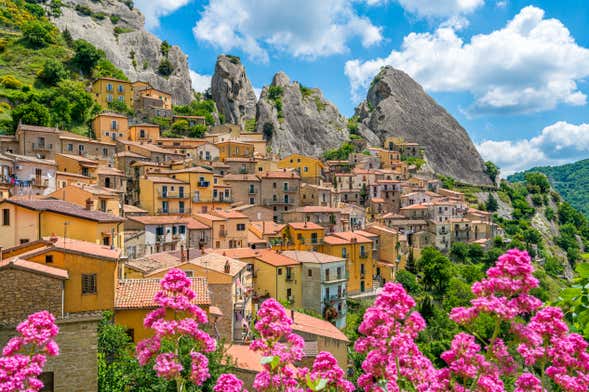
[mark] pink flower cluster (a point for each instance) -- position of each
(176, 297)
(392, 357)
(19, 371)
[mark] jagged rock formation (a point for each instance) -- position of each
(130, 47)
(232, 91)
(297, 119)
(396, 105)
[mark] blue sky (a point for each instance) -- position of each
(514, 73)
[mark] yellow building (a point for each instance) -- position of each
(92, 270)
(29, 220)
(154, 93)
(235, 149)
(74, 164)
(306, 236)
(309, 168)
(357, 250)
(109, 126)
(201, 182)
(134, 300)
(164, 195)
(278, 276)
(144, 132)
(107, 90)
(94, 197)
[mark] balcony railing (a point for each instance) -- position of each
(223, 200)
(42, 147)
(278, 202)
(363, 255)
(203, 184)
(289, 278)
(173, 211)
(173, 195)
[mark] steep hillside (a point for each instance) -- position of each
(396, 105)
(571, 181)
(299, 119)
(118, 29)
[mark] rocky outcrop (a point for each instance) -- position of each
(396, 105)
(232, 91)
(297, 119)
(119, 31)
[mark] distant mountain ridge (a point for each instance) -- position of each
(570, 180)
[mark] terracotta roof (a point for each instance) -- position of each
(333, 240)
(161, 219)
(350, 235)
(66, 208)
(75, 175)
(36, 128)
(284, 174)
(273, 258)
(164, 180)
(112, 114)
(235, 253)
(139, 293)
(18, 263)
(159, 260)
(245, 358)
(241, 177)
(209, 218)
(366, 234)
(229, 214)
(415, 207)
(216, 262)
(315, 326)
(268, 227)
(80, 159)
(312, 209)
(195, 169)
(129, 154)
(105, 170)
(311, 257)
(240, 159)
(89, 248)
(133, 209)
(305, 226)
(252, 238)
(215, 311)
(27, 158)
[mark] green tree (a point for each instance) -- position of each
(492, 171)
(165, 68)
(165, 48)
(53, 72)
(197, 131)
(363, 194)
(32, 113)
(491, 205)
(119, 107)
(67, 37)
(435, 271)
(86, 56)
(181, 126)
(38, 33)
(536, 180)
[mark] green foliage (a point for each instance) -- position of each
(165, 48)
(305, 91)
(415, 161)
(35, 9)
(32, 113)
(250, 125)
(86, 56)
(571, 181)
(104, 68)
(319, 104)
(492, 170)
(83, 10)
(447, 182)
(341, 153)
(119, 107)
(491, 205)
(353, 125)
(10, 82)
(39, 33)
(204, 108)
(118, 30)
(67, 37)
(275, 96)
(165, 68)
(575, 301)
(537, 182)
(53, 72)
(114, 19)
(435, 270)
(55, 7)
(180, 126)
(233, 59)
(409, 281)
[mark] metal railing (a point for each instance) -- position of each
(173, 211)
(42, 147)
(173, 195)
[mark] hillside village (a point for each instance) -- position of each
(92, 224)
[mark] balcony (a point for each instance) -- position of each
(273, 202)
(252, 192)
(223, 200)
(222, 233)
(42, 147)
(363, 255)
(173, 211)
(173, 195)
(291, 189)
(203, 184)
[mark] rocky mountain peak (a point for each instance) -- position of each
(118, 29)
(232, 90)
(298, 119)
(396, 105)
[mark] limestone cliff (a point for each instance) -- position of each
(396, 105)
(118, 30)
(232, 91)
(297, 119)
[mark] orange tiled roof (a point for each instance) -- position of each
(139, 293)
(316, 326)
(273, 258)
(311, 257)
(18, 263)
(89, 248)
(66, 208)
(351, 235)
(333, 240)
(235, 253)
(285, 174)
(245, 358)
(229, 214)
(305, 226)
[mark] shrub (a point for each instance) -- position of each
(38, 34)
(165, 68)
(32, 113)
(181, 126)
(165, 48)
(55, 8)
(53, 72)
(118, 30)
(35, 9)
(83, 10)
(119, 107)
(114, 19)
(305, 91)
(86, 56)
(10, 82)
(233, 59)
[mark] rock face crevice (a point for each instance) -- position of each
(232, 91)
(133, 50)
(396, 105)
(303, 121)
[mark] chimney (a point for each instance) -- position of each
(187, 253)
(182, 260)
(227, 267)
(292, 315)
(89, 204)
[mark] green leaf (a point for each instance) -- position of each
(583, 270)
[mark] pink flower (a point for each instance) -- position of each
(228, 383)
(527, 382)
(167, 366)
(199, 370)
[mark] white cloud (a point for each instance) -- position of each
(439, 8)
(200, 82)
(532, 64)
(557, 144)
(305, 28)
(154, 10)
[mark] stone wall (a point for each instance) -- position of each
(75, 369)
(221, 297)
(24, 292)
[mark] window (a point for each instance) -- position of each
(49, 259)
(344, 252)
(70, 146)
(6, 217)
(241, 227)
(88, 283)
(182, 229)
(165, 207)
(305, 169)
(109, 87)
(106, 240)
(339, 272)
(105, 152)
(327, 274)
(288, 294)
(121, 98)
(142, 133)
(252, 200)
(189, 274)
(279, 271)
(310, 272)
(181, 207)
(121, 88)
(314, 238)
(327, 293)
(24, 240)
(102, 205)
(109, 98)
